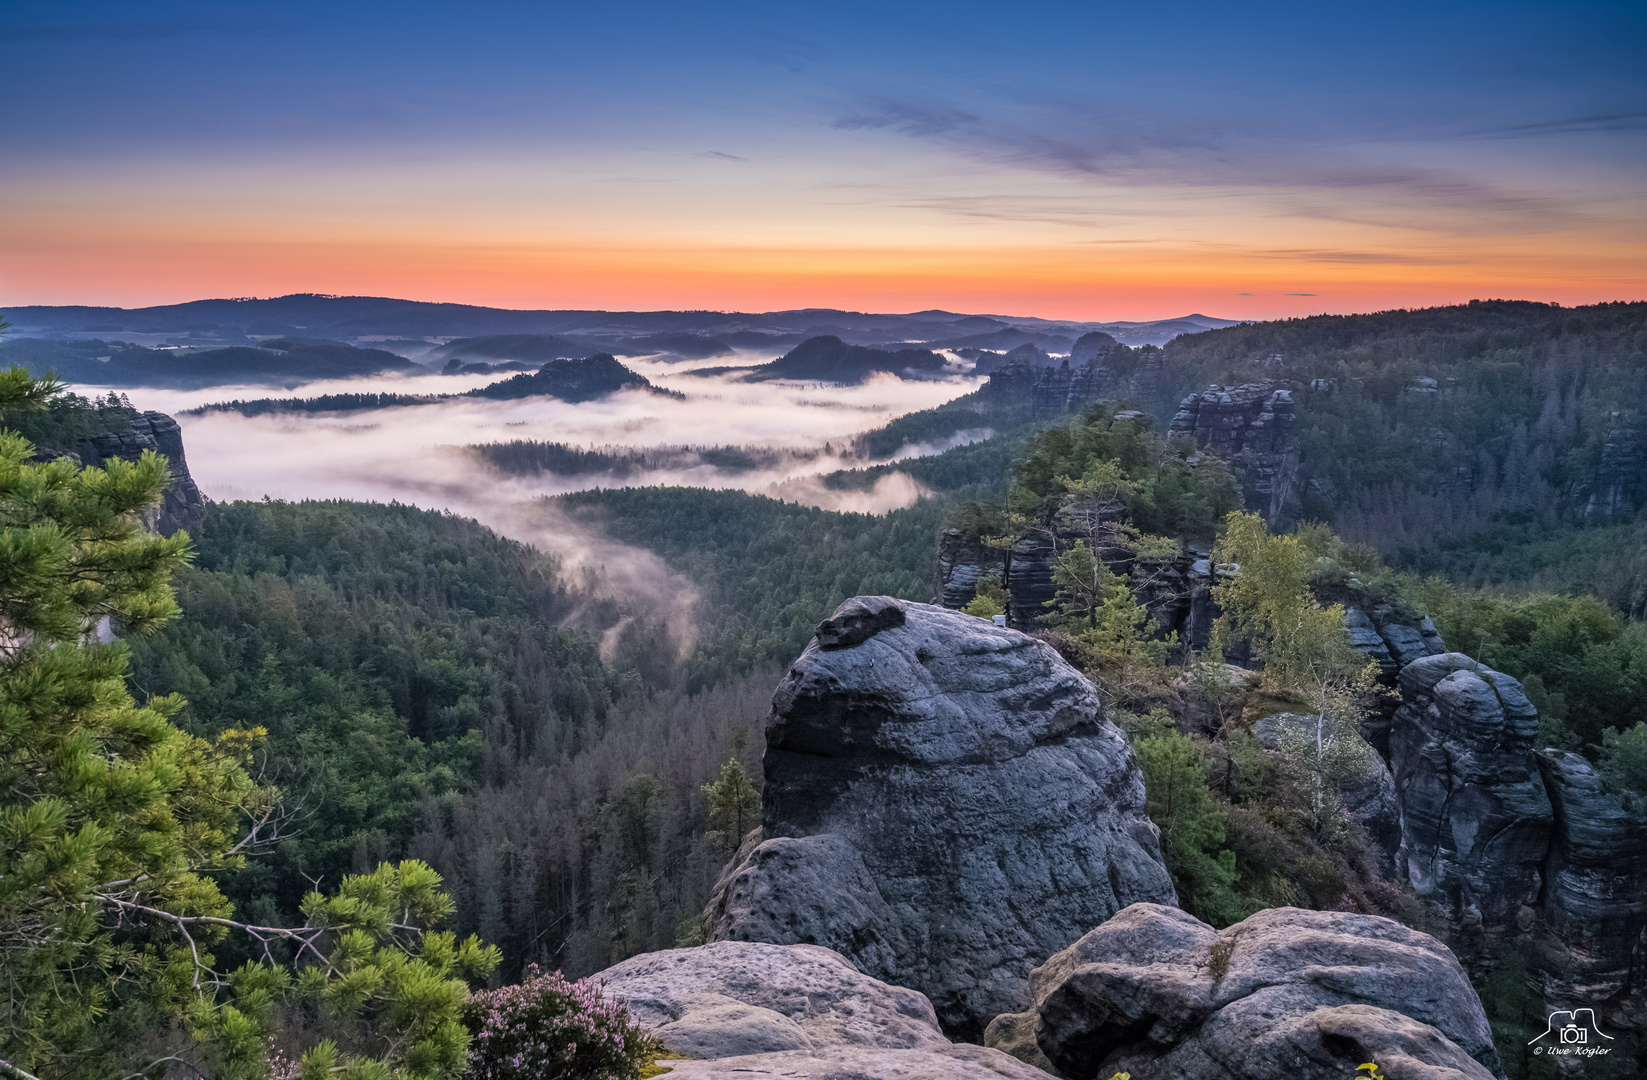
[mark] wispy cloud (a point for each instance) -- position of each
(723, 156)
(1296, 178)
(914, 118)
(1623, 121)
(1299, 294)
(1056, 210)
(1357, 258)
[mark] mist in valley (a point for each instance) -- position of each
(791, 434)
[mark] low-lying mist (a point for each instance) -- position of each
(791, 435)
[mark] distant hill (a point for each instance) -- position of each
(680, 346)
(283, 360)
(829, 359)
(583, 379)
(369, 320)
(1009, 338)
(538, 348)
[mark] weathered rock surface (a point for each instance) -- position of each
(1286, 993)
(1389, 640)
(1595, 898)
(1047, 391)
(964, 561)
(946, 806)
(731, 998)
(961, 1062)
(1254, 428)
(1476, 820)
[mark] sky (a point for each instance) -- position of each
(1083, 161)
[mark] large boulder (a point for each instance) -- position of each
(1475, 817)
(732, 998)
(945, 805)
(1308, 995)
(960, 1062)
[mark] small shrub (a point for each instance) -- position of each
(549, 1029)
(1219, 961)
(990, 599)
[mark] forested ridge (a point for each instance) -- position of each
(1456, 440)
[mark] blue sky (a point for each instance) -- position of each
(1482, 137)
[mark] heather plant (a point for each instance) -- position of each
(546, 1028)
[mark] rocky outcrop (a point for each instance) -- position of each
(963, 561)
(1513, 846)
(1254, 428)
(945, 805)
(1476, 820)
(960, 1062)
(1307, 995)
(733, 998)
(1618, 486)
(1092, 346)
(1595, 898)
(124, 432)
(1390, 640)
(1047, 392)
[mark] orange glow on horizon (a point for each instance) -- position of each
(49, 259)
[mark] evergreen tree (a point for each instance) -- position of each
(111, 818)
(100, 796)
(734, 802)
(1192, 826)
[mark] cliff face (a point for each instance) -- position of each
(1254, 428)
(1617, 487)
(126, 433)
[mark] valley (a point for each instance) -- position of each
(519, 619)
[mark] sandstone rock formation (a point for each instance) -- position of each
(1519, 847)
(1388, 639)
(1476, 820)
(1618, 487)
(1595, 897)
(960, 1062)
(1091, 346)
(945, 805)
(1254, 428)
(731, 998)
(1286, 993)
(963, 561)
(126, 433)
